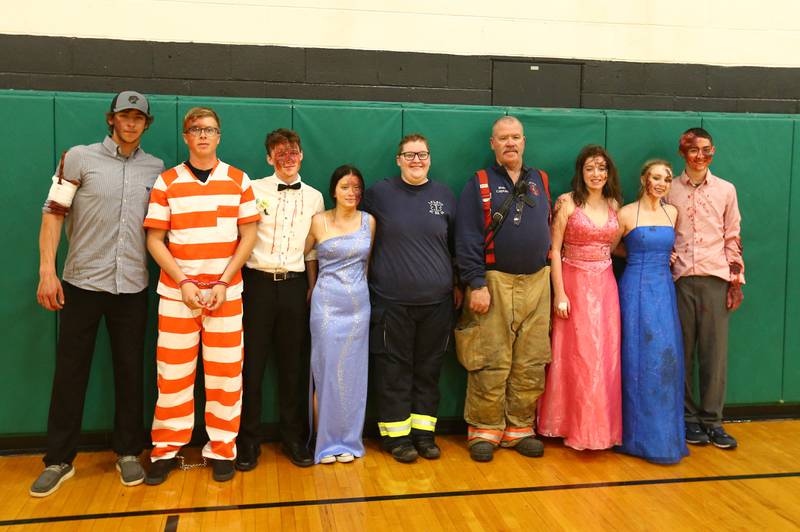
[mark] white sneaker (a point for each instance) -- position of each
(327, 460)
(345, 457)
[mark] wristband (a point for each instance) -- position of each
(220, 282)
(187, 280)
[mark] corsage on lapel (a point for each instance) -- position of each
(262, 205)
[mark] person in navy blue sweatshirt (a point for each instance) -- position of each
(412, 294)
(502, 243)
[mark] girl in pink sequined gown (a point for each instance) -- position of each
(582, 399)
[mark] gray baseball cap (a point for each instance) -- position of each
(130, 100)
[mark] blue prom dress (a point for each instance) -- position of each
(339, 322)
(652, 349)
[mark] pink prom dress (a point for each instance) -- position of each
(582, 401)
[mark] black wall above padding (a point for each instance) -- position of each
(187, 69)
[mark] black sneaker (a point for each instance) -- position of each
(695, 434)
(722, 439)
(482, 451)
(427, 448)
(530, 447)
(50, 479)
(159, 471)
(222, 470)
(404, 453)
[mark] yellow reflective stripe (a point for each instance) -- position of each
(394, 429)
(421, 422)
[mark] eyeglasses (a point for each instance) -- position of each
(409, 155)
(286, 155)
(197, 131)
(707, 151)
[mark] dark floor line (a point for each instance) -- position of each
(172, 523)
(409, 496)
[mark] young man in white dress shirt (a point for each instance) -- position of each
(277, 278)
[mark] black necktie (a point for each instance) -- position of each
(282, 186)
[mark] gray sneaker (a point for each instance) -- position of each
(50, 479)
(130, 470)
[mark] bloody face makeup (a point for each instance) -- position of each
(286, 158)
(657, 181)
(595, 172)
(698, 152)
(348, 191)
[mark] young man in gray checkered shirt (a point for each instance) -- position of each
(101, 191)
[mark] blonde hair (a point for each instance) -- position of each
(646, 170)
(195, 113)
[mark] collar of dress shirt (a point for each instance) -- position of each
(275, 179)
(686, 180)
(113, 147)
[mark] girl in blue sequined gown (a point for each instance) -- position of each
(652, 348)
(340, 312)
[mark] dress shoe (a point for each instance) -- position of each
(298, 454)
(247, 457)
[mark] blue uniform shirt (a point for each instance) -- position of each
(412, 255)
(518, 249)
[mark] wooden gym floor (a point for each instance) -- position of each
(756, 487)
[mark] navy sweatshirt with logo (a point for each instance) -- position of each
(414, 241)
(518, 248)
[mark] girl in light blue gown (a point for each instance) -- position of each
(340, 312)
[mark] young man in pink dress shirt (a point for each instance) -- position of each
(709, 274)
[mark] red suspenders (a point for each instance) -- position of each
(486, 204)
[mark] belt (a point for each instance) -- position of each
(281, 275)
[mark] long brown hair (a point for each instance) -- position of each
(611, 190)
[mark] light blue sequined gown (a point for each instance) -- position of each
(339, 341)
(652, 350)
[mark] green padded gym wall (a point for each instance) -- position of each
(634, 137)
(29, 331)
(553, 138)
(791, 353)
(754, 152)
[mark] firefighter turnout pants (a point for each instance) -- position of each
(407, 345)
(505, 352)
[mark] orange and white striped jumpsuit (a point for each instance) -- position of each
(202, 222)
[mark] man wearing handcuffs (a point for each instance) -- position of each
(206, 211)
